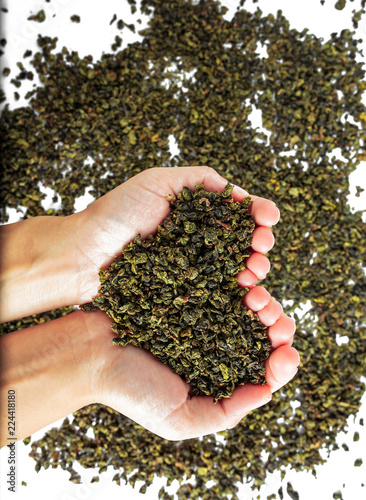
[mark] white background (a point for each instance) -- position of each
(94, 36)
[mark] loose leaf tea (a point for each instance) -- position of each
(39, 17)
(195, 79)
(176, 294)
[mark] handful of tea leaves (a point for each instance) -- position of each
(175, 294)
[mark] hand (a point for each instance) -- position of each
(140, 204)
(135, 383)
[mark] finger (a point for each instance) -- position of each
(263, 240)
(257, 298)
(271, 313)
(176, 178)
(200, 415)
(245, 398)
(264, 211)
(282, 332)
(259, 265)
(281, 366)
(246, 278)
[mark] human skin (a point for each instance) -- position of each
(61, 366)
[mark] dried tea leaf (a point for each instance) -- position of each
(39, 17)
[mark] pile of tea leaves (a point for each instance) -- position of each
(176, 294)
(195, 79)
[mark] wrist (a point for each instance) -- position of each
(98, 337)
(48, 368)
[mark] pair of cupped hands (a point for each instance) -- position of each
(60, 366)
(133, 381)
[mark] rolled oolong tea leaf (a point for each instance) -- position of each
(176, 294)
(39, 17)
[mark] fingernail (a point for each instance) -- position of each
(278, 215)
(241, 190)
